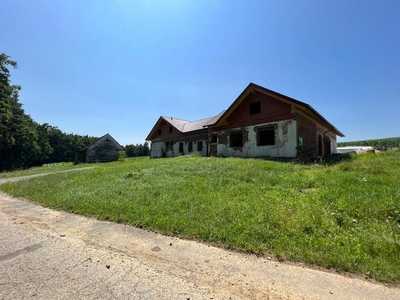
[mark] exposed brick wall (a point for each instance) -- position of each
(165, 134)
(272, 110)
(223, 138)
(194, 136)
(307, 129)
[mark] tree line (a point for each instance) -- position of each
(382, 144)
(137, 150)
(25, 143)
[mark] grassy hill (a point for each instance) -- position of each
(343, 215)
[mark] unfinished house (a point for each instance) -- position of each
(105, 149)
(259, 123)
(173, 137)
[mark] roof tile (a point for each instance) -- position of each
(187, 126)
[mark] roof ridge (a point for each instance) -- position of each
(207, 117)
(203, 119)
(173, 118)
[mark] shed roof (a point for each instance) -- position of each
(107, 134)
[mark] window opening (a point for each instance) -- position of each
(266, 136)
(180, 147)
(214, 138)
(200, 146)
(190, 147)
(236, 139)
(255, 108)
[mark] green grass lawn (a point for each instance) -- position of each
(343, 215)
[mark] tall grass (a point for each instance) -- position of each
(344, 215)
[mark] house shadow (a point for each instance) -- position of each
(331, 160)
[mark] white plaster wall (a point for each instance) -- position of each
(171, 152)
(176, 150)
(285, 142)
(204, 151)
(186, 148)
(334, 147)
(333, 144)
(157, 152)
(156, 149)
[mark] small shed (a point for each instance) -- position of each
(105, 149)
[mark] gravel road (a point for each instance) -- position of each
(47, 254)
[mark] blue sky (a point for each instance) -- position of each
(95, 67)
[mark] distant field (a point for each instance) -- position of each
(47, 168)
(380, 143)
(343, 215)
